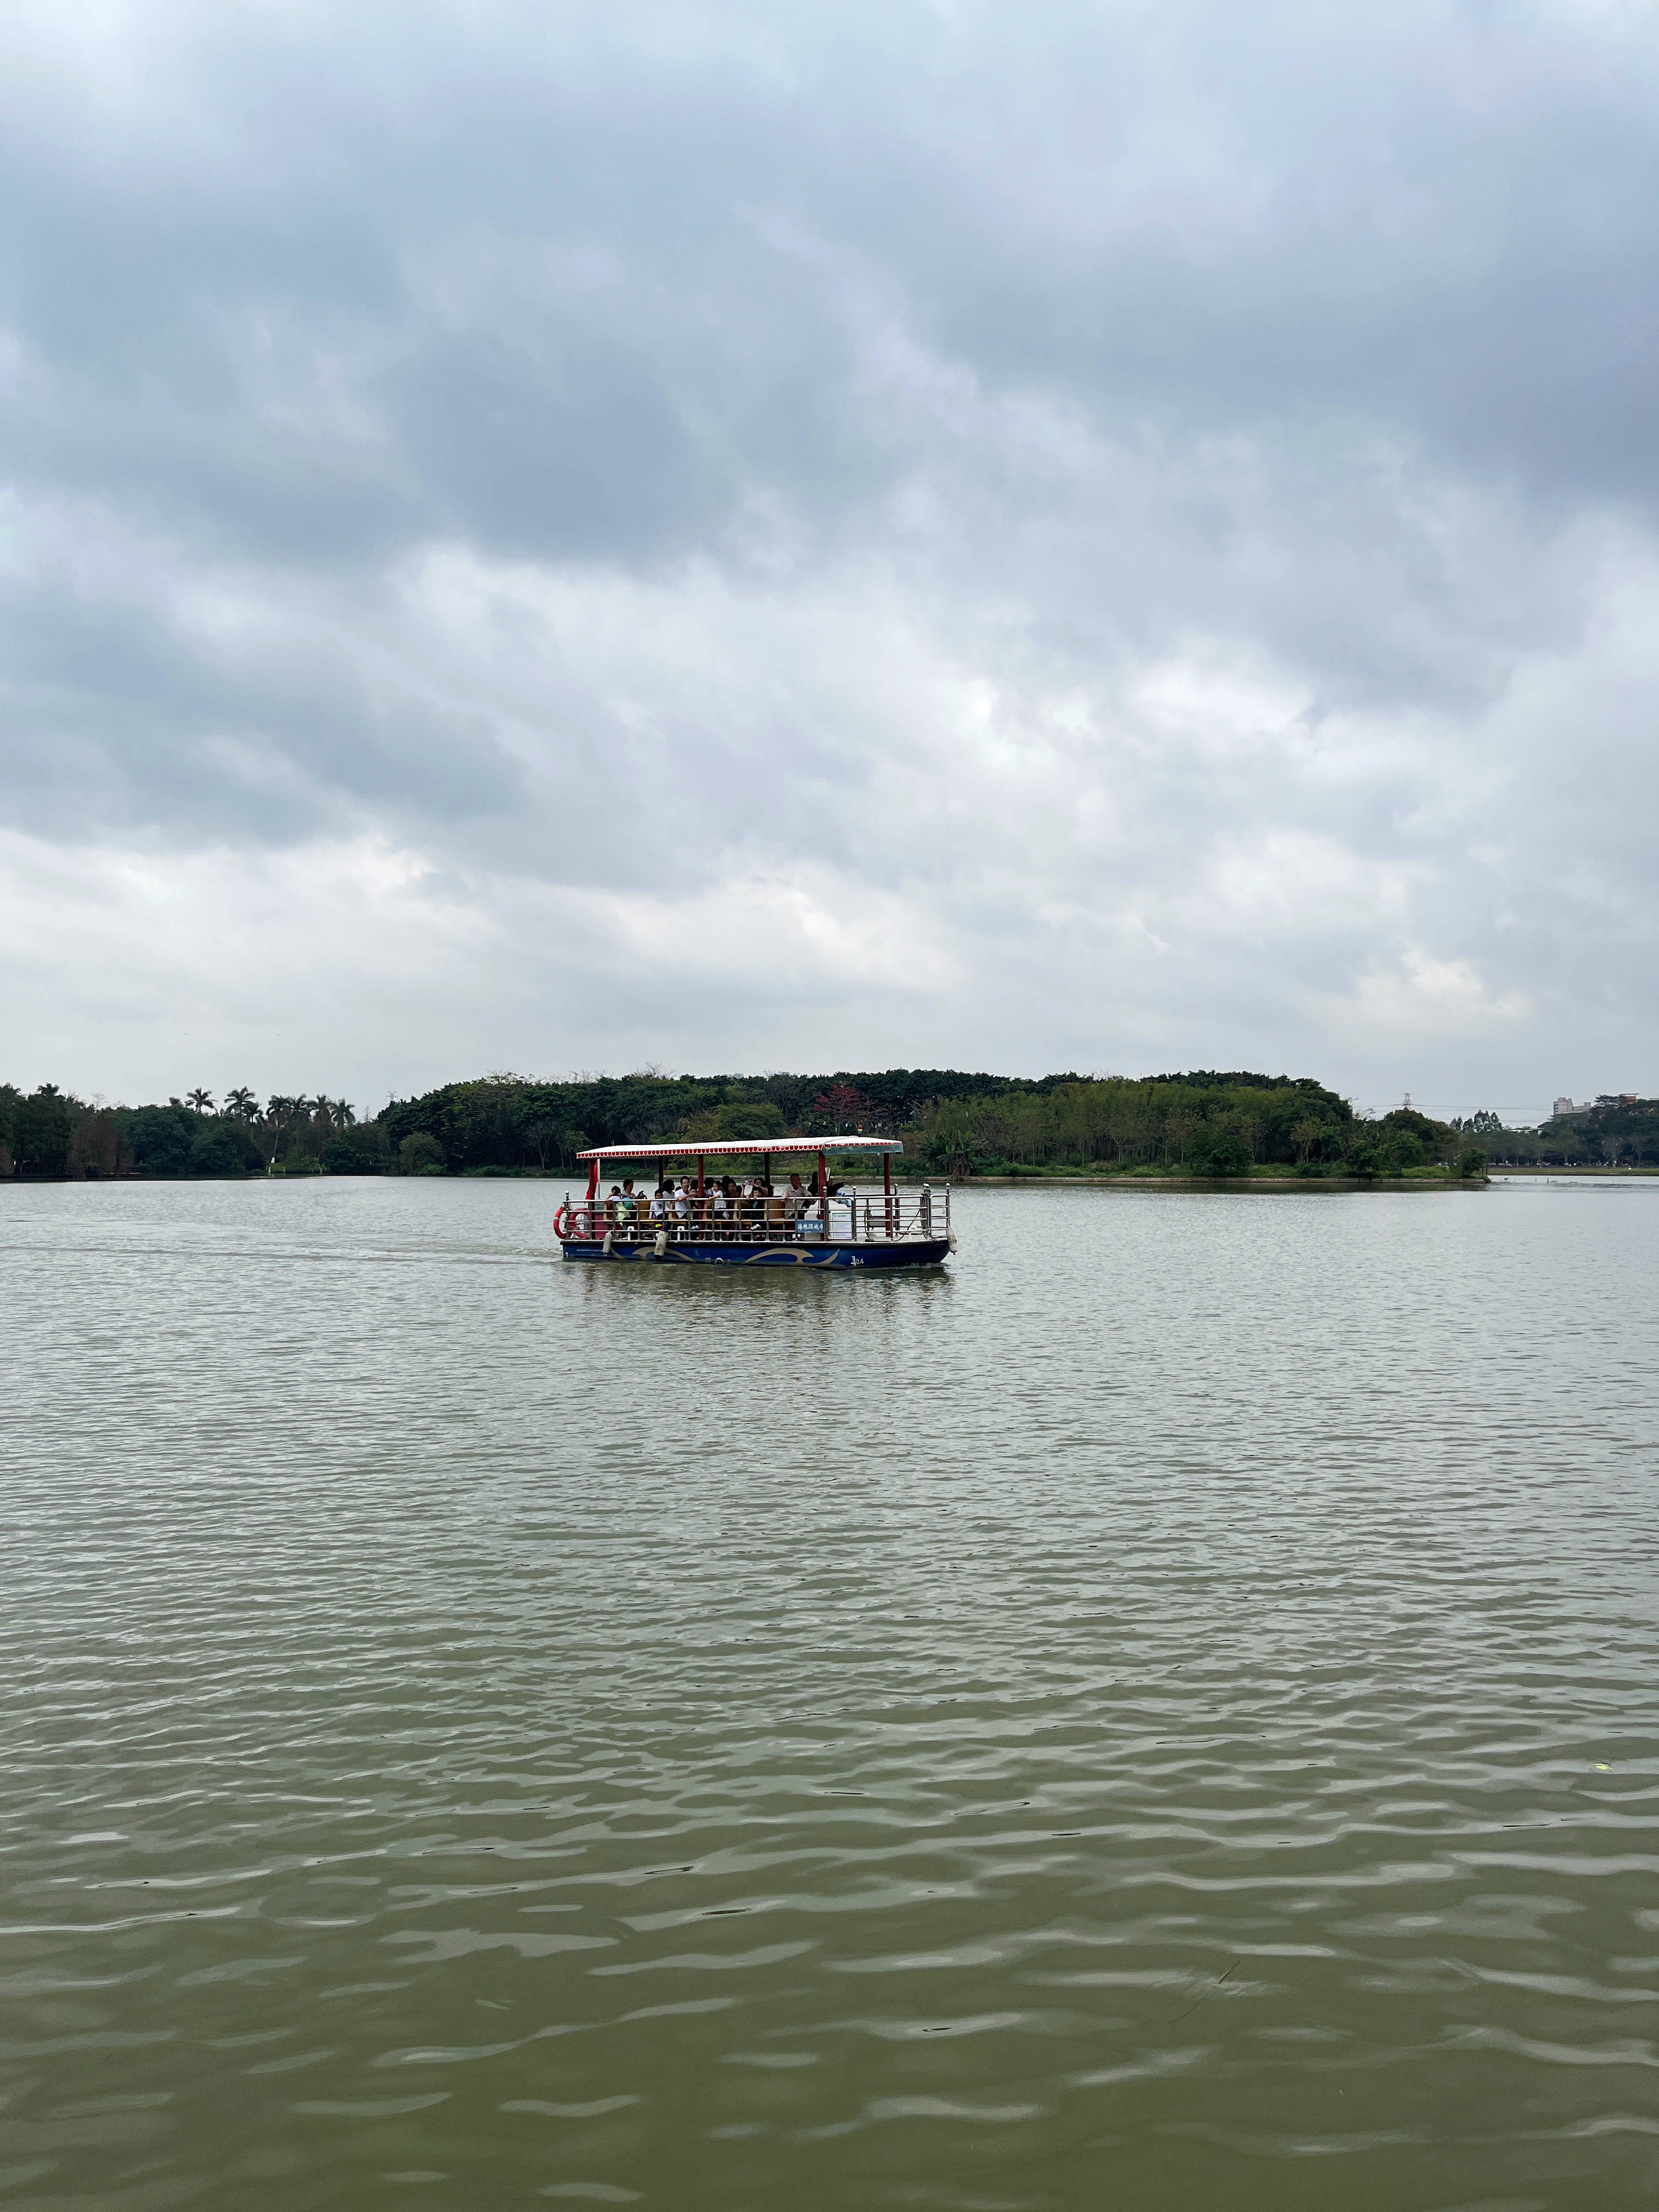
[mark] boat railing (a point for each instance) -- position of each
(863, 1216)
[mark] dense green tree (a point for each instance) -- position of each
(346, 1155)
(740, 1121)
(161, 1138)
(1220, 1153)
(1416, 1138)
(223, 1148)
(1365, 1155)
(42, 1126)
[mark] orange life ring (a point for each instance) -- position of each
(562, 1220)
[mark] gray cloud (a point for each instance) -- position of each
(1155, 506)
(583, 457)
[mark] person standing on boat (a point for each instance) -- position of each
(659, 1207)
(795, 1203)
(627, 1210)
(684, 1207)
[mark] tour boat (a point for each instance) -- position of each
(722, 1221)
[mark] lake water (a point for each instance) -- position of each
(1162, 1715)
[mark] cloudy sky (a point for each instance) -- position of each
(1116, 537)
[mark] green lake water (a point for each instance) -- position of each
(1163, 1715)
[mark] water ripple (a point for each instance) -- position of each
(1166, 1714)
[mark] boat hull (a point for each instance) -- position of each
(913, 1252)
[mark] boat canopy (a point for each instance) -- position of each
(730, 1148)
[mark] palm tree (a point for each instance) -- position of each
(200, 1099)
(241, 1103)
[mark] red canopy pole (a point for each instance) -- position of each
(887, 1185)
(593, 1182)
(824, 1197)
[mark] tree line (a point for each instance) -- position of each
(953, 1122)
(48, 1133)
(1617, 1132)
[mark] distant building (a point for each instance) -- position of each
(1563, 1106)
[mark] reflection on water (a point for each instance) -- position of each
(1162, 1715)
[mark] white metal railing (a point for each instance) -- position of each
(863, 1217)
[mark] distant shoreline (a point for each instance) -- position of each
(1115, 1179)
(1291, 1186)
(1270, 1179)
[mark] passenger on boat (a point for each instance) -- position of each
(719, 1208)
(684, 1207)
(659, 1207)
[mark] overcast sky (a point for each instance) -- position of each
(1119, 536)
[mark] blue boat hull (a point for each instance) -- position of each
(913, 1252)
